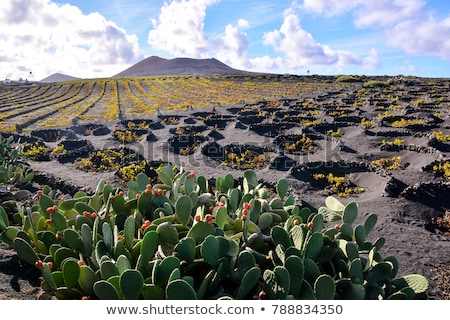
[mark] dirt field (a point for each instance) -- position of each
(408, 196)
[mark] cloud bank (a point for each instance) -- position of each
(179, 30)
(45, 37)
(42, 37)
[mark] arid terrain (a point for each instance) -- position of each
(382, 142)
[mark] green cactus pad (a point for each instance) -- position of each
(417, 282)
(81, 207)
(115, 281)
(180, 290)
(210, 250)
(108, 269)
(105, 290)
(398, 296)
(249, 281)
(298, 234)
(168, 236)
(152, 292)
(80, 220)
(379, 243)
(394, 265)
(222, 217)
(312, 271)
(356, 271)
(370, 222)
(350, 213)
(349, 249)
(148, 247)
(123, 264)
(314, 245)
(58, 220)
(280, 236)
(379, 273)
(45, 202)
(250, 180)
(48, 277)
(63, 253)
(329, 215)
(86, 280)
(276, 283)
(347, 290)
(73, 239)
(59, 279)
(305, 213)
(206, 284)
(166, 175)
(346, 231)
(129, 229)
(176, 274)
(334, 204)
(4, 221)
(142, 181)
(234, 199)
(282, 188)
(183, 209)
(200, 231)
(324, 287)
(185, 249)
(25, 251)
(265, 220)
(318, 223)
(71, 272)
(86, 236)
(306, 292)
(162, 271)
(131, 283)
(296, 271)
(47, 237)
(359, 234)
(144, 204)
(9, 235)
(227, 183)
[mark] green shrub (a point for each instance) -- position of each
(376, 83)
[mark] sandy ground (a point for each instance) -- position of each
(405, 215)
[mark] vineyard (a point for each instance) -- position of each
(40, 106)
(381, 142)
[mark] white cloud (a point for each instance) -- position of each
(179, 28)
(300, 49)
(407, 68)
(422, 36)
(232, 47)
(367, 13)
(387, 12)
(44, 37)
(372, 61)
(406, 24)
(330, 7)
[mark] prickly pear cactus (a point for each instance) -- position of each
(184, 238)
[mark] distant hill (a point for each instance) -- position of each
(159, 66)
(57, 77)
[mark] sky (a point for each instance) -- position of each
(100, 38)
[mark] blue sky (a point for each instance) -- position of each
(100, 38)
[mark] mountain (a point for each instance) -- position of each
(159, 66)
(57, 77)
